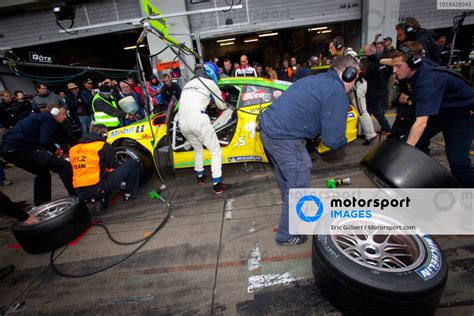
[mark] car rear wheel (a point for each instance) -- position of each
(59, 222)
(123, 153)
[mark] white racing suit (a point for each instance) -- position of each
(195, 124)
(360, 88)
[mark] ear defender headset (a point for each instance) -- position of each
(413, 60)
(409, 30)
(55, 111)
(338, 43)
(350, 74)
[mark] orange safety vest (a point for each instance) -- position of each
(85, 163)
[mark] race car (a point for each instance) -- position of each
(157, 141)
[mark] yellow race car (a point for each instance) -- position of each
(158, 142)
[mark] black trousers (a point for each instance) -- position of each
(40, 162)
(405, 118)
(458, 133)
(128, 172)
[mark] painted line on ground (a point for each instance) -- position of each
(210, 266)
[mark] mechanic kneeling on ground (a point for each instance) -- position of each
(312, 106)
(30, 146)
(444, 103)
(15, 210)
(91, 159)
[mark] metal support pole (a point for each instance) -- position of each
(199, 48)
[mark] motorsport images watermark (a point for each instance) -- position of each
(381, 211)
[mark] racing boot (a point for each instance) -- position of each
(220, 187)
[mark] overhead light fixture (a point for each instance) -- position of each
(268, 34)
(318, 28)
(319, 32)
(251, 40)
(326, 31)
(226, 40)
(227, 43)
(133, 47)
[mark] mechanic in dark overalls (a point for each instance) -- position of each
(15, 210)
(444, 103)
(312, 106)
(30, 145)
(410, 30)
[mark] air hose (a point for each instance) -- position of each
(142, 242)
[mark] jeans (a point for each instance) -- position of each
(374, 106)
(458, 133)
(292, 168)
(85, 122)
(40, 163)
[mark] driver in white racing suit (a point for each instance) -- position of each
(196, 127)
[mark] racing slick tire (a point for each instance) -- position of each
(346, 271)
(145, 164)
(396, 164)
(59, 222)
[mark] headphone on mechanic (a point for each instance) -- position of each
(409, 29)
(414, 61)
(338, 42)
(350, 74)
(55, 111)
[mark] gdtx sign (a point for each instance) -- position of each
(36, 58)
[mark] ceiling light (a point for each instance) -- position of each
(226, 40)
(251, 40)
(319, 32)
(133, 47)
(318, 28)
(326, 31)
(268, 34)
(227, 43)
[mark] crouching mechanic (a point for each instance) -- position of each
(196, 126)
(312, 106)
(444, 103)
(30, 146)
(91, 159)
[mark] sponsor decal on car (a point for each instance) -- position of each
(254, 95)
(140, 129)
(350, 115)
(432, 267)
(250, 127)
(244, 158)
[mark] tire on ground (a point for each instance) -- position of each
(53, 230)
(145, 163)
(358, 289)
(396, 164)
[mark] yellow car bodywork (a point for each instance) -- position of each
(243, 145)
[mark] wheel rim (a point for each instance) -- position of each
(123, 156)
(384, 252)
(53, 209)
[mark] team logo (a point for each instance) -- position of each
(309, 204)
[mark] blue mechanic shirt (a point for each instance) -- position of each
(35, 131)
(436, 89)
(312, 106)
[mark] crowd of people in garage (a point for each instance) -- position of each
(383, 77)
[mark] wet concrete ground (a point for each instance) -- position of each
(199, 263)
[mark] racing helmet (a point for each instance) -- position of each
(211, 71)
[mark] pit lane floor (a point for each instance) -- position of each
(208, 257)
